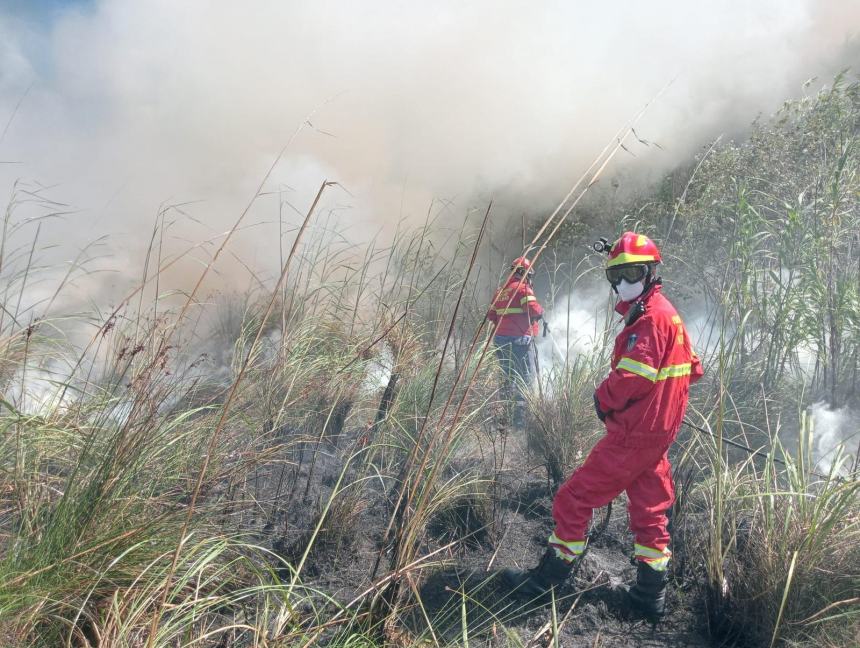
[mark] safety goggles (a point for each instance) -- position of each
(630, 273)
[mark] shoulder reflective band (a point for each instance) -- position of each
(528, 298)
(638, 368)
(508, 311)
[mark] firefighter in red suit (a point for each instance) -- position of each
(642, 403)
(516, 312)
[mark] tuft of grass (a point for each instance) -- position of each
(464, 513)
(562, 426)
(782, 552)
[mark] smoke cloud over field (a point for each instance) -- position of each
(128, 106)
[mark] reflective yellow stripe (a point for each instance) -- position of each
(658, 564)
(561, 553)
(675, 371)
(657, 560)
(650, 552)
(509, 311)
(528, 298)
(626, 257)
(563, 547)
(638, 368)
(652, 374)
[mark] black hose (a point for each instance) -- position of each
(745, 448)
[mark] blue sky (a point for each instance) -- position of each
(43, 5)
(30, 24)
(41, 9)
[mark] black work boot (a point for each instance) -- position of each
(535, 583)
(648, 595)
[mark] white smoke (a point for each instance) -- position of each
(703, 325)
(378, 371)
(128, 106)
(576, 321)
(835, 437)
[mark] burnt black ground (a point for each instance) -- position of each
(464, 583)
(595, 600)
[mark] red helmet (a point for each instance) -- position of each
(521, 263)
(633, 248)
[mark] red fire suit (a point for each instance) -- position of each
(516, 309)
(644, 398)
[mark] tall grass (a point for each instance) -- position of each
(153, 492)
(781, 554)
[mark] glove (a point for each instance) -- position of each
(600, 413)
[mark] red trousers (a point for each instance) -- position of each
(611, 468)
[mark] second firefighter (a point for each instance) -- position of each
(516, 312)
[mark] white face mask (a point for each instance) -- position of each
(629, 291)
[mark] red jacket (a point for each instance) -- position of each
(516, 309)
(653, 365)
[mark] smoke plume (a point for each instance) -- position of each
(834, 437)
(124, 107)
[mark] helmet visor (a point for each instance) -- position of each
(632, 273)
